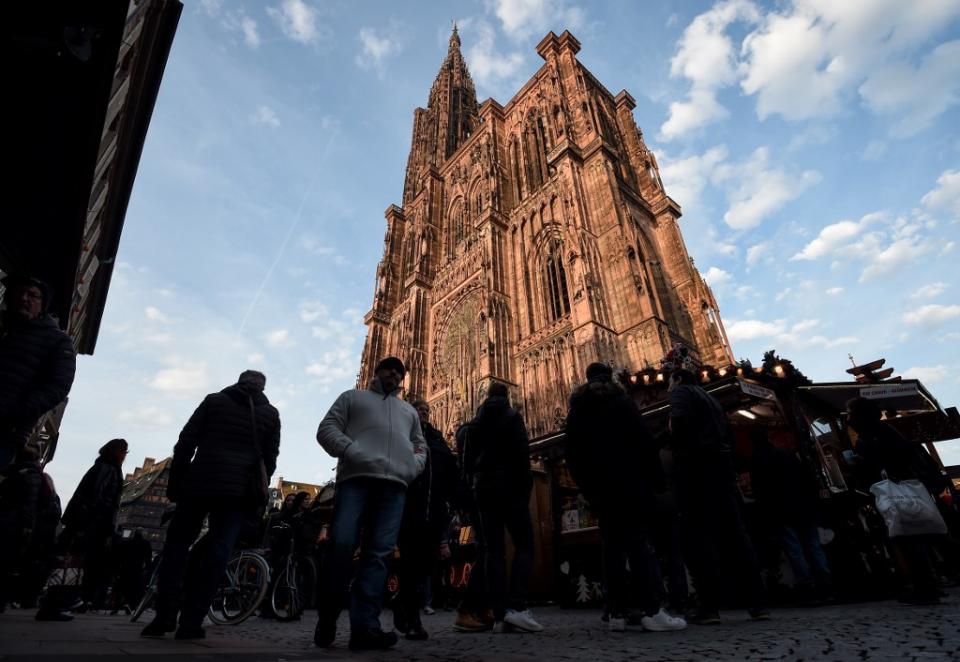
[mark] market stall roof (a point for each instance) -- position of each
(908, 395)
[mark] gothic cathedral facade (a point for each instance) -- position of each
(534, 238)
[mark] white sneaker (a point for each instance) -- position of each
(617, 624)
(522, 620)
(662, 622)
(429, 611)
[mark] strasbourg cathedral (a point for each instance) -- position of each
(534, 238)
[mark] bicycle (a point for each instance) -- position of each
(246, 579)
(294, 586)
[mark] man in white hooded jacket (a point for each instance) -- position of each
(379, 445)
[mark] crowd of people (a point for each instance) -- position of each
(662, 510)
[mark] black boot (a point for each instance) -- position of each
(416, 631)
(373, 639)
(326, 630)
(159, 626)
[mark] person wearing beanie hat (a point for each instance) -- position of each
(220, 472)
(380, 449)
(37, 363)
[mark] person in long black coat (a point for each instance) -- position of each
(616, 464)
(215, 474)
(426, 517)
(90, 520)
(37, 363)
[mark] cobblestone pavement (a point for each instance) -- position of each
(869, 631)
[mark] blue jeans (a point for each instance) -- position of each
(366, 512)
(802, 547)
(225, 525)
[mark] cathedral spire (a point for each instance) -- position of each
(451, 116)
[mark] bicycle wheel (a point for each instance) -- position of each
(285, 598)
(246, 580)
(149, 594)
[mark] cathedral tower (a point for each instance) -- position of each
(534, 238)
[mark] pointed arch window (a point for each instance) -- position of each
(555, 280)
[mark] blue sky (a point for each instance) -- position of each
(813, 146)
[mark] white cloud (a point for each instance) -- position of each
(706, 57)
(929, 291)
(916, 96)
(894, 256)
(377, 47)
(332, 366)
(759, 189)
(297, 20)
(183, 379)
(835, 236)
(265, 115)
(310, 311)
(931, 314)
(947, 193)
(488, 66)
(753, 329)
(755, 252)
(250, 34)
(717, 277)
(686, 178)
(233, 21)
(149, 416)
(521, 19)
(805, 59)
(155, 315)
(255, 359)
(278, 338)
(931, 374)
(834, 291)
(796, 336)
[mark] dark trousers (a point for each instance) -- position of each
(418, 542)
(624, 538)
(193, 599)
(97, 571)
(366, 512)
(500, 509)
(475, 599)
(913, 558)
(714, 533)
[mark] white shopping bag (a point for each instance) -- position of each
(907, 508)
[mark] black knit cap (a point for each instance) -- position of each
(391, 362)
(15, 281)
(599, 371)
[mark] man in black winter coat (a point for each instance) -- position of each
(710, 503)
(426, 516)
(496, 459)
(616, 464)
(231, 440)
(37, 363)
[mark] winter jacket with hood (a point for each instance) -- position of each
(609, 450)
(373, 435)
(94, 506)
(215, 456)
(37, 365)
(495, 447)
